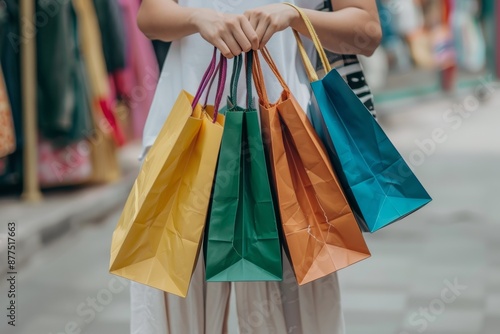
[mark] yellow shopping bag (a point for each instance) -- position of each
(158, 236)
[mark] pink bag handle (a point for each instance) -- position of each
(211, 84)
(207, 95)
(208, 79)
(221, 86)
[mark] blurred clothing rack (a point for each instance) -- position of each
(78, 86)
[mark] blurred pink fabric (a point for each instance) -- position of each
(137, 82)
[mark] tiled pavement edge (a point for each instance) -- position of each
(65, 211)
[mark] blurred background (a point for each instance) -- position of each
(76, 81)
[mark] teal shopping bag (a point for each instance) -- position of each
(242, 241)
(378, 183)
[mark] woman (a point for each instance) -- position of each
(236, 26)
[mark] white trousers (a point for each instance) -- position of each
(240, 308)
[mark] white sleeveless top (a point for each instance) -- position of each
(188, 59)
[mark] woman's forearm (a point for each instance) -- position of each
(349, 30)
(165, 20)
(346, 31)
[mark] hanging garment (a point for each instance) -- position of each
(113, 35)
(497, 33)
(105, 134)
(90, 37)
(7, 134)
(468, 36)
(137, 83)
(10, 62)
(407, 14)
(3, 26)
(393, 44)
(67, 165)
(312, 308)
(11, 166)
(63, 111)
(444, 50)
(104, 153)
(114, 45)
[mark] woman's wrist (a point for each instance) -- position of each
(195, 16)
(295, 19)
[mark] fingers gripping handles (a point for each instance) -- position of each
(252, 60)
(311, 73)
(221, 69)
(235, 77)
(207, 80)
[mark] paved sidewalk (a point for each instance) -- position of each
(66, 287)
(437, 271)
(61, 212)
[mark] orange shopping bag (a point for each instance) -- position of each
(320, 230)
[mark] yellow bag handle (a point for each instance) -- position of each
(311, 72)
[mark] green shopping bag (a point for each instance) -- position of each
(242, 241)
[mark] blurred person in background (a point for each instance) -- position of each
(234, 27)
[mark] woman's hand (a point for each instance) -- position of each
(353, 27)
(231, 34)
(268, 20)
